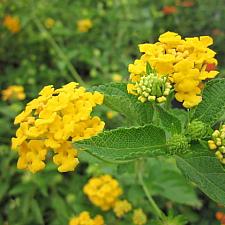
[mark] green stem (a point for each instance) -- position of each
(57, 48)
(155, 209)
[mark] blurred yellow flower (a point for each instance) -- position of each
(85, 219)
(122, 207)
(103, 191)
(117, 77)
(111, 114)
(13, 92)
(139, 217)
(53, 121)
(12, 23)
(84, 25)
(49, 23)
(184, 61)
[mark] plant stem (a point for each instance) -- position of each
(57, 48)
(155, 209)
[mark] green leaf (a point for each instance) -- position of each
(126, 143)
(168, 121)
(148, 68)
(204, 169)
(37, 212)
(212, 107)
(60, 207)
(166, 180)
(117, 98)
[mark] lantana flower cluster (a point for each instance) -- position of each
(187, 63)
(84, 25)
(84, 218)
(103, 191)
(139, 217)
(13, 92)
(53, 121)
(122, 207)
(217, 143)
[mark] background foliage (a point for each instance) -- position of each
(39, 55)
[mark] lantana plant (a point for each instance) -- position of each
(169, 71)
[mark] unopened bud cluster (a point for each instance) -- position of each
(153, 88)
(177, 144)
(218, 143)
(197, 129)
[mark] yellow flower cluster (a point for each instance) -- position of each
(53, 121)
(84, 25)
(13, 92)
(103, 191)
(184, 61)
(122, 207)
(217, 143)
(85, 219)
(139, 217)
(12, 23)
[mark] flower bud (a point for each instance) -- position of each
(178, 143)
(152, 88)
(217, 143)
(197, 130)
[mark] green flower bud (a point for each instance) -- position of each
(153, 88)
(178, 143)
(197, 130)
(217, 143)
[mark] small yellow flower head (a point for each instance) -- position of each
(151, 88)
(52, 122)
(13, 92)
(139, 217)
(122, 207)
(12, 23)
(217, 143)
(103, 191)
(84, 25)
(85, 219)
(49, 23)
(184, 61)
(117, 77)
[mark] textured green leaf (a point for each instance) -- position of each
(166, 180)
(168, 121)
(117, 98)
(126, 143)
(212, 107)
(204, 169)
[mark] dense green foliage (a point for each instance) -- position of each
(40, 55)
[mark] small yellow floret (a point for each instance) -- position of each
(84, 25)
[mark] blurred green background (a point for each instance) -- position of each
(92, 42)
